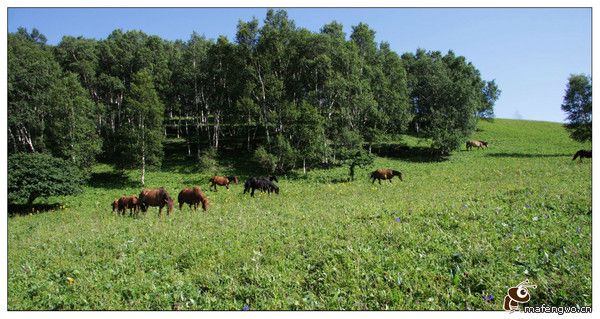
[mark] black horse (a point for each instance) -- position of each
(582, 153)
(261, 183)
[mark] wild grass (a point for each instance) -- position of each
(453, 231)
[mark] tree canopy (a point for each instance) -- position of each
(577, 103)
(290, 97)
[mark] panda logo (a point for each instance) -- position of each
(517, 295)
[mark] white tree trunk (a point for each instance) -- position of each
(304, 165)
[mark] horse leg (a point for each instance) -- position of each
(252, 192)
(379, 179)
(227, 186)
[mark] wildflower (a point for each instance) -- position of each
(246, 308)
(465, 206)
(578, 230)
(488, 298)
(527, 206)
(398, 219)
(70, 280)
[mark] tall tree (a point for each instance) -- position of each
(577, 103)
(141, 139)
(32, 75)
(71, 130)
(446, 94)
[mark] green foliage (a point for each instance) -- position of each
(448, 95)
(361, 159)
(265, 159)
(254, 86)
(71, 131)
(140, 141)
(32, 76)
(577, 104)
(33, 175)
(208, 161)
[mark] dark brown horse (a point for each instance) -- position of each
(477, 144)
(128, 202)
(156, 197)
(222, 181)
(384, 174)
(193, 197)
(581, 154)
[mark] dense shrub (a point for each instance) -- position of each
(33, 175)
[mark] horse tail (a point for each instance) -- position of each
(142, 201)
(180, 196)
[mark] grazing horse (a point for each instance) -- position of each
(193, 197)
(222, 181)
(582, 153)
(261, 183)
(130, 202)
(156, 197)
(476, 143)
(384, 174)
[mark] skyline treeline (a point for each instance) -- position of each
(288, 96)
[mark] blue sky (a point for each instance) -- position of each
(529, 52)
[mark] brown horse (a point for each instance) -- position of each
(222, 181)
(476, 143)
(384, 174)
(192, 196)
(130, 202)
(155, 197)
(581, 154)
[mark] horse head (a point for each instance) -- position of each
(397, 173)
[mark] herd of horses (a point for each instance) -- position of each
(481, 144)
(159, 197)
(194, 197)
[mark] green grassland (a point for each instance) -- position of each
(453, 231)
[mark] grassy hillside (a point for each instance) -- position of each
(453, 231)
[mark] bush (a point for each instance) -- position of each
(33, 175)
(265, 159)
(208, 160)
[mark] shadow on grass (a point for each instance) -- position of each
(416, 154)
(230, 160)
(111, 180)
(526, 155)
(24, 209)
